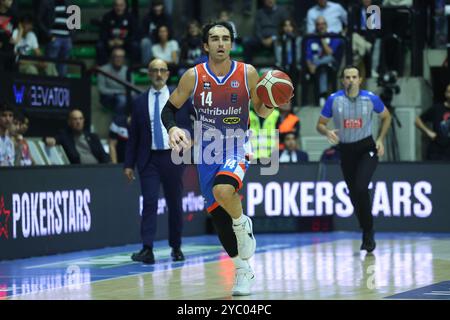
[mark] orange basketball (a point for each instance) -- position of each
(275, 88)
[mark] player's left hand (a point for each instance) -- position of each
(380, 147)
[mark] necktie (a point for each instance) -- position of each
(158, 138)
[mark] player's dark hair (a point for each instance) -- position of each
(209, 26)
(350, 67)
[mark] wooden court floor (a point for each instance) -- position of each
(287, 266)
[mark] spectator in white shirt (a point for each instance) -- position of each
(334, 14)
(166, 49)
(26, 44)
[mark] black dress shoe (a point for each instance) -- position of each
(368, 241)
(177, 255)
(145, 255)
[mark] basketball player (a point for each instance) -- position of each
(352, 111)
(222, 89)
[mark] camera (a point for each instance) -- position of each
(388, 83)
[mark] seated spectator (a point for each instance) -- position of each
(331, 154)
(291, 154)
(334, 14)
(439, 134)
(51, 24)
(267, 22)
(191, 46)
(155, 18)
(22, 150)
(26, 44)
(113, 94)
(118, 29)
(81, 146)
(8, 21)
(323, 56)
(166, 49)
(288, 48)
(287, 122)
(7, 150)
(118, 137)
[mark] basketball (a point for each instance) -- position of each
(275, 88)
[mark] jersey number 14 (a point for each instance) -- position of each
(208, 99)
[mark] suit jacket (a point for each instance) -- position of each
(302, 156)
(66, 139)
(139, 145)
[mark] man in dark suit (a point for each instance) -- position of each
(148, 149)
(81, 146)
(291, 153)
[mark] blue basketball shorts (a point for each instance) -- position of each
(234, 167)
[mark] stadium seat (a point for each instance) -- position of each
(83, 52)
(140, 79)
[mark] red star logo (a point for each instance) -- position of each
(6, 213)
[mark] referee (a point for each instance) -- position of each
(352, 111)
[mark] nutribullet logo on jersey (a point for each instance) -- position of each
(40, 214)
(4, 219)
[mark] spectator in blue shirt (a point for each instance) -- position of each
(322, 55)
(334, 14)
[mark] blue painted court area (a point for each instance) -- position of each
(437, 291)
(33, 275)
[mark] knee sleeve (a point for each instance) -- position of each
(224, 227)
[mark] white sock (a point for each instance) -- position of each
(239, 263)
(239, 220)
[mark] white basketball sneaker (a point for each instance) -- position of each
(243, 281)
(245, 239)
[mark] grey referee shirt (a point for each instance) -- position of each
(352, 116)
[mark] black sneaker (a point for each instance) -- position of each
(177, 255)
(368, 241)
(145, 255)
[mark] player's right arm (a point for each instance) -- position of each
(177, 136)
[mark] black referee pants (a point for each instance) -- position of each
(358, 162)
